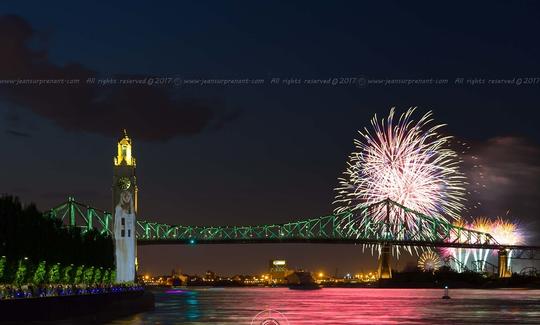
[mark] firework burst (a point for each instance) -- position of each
(408, 162)
(507, 233)
(480, 255)
(458, 256)
(429, 261)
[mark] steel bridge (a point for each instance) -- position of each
(354, 227)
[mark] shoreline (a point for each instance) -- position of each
(453, 285)
(73, 307)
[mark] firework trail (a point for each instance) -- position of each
(408, 162)
(459, 256)
(483, 225)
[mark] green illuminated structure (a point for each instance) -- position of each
(75, 214)
(350, 227)
(383, 226)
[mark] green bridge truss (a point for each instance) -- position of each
(351, 227)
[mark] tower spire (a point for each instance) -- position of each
(124, 155)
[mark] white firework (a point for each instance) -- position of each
(408, 162)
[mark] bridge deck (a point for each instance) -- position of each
(146, 242)
(358, 226)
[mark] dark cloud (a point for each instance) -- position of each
(12, 117)
(150, 113)
(504, 177)
(18, 133)
(228, 117)
(15, 126)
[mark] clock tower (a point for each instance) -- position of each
(124, 195)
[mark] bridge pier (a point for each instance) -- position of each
(504, 268)
(384, 270)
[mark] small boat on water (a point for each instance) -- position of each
(301, 280)
(305, 286)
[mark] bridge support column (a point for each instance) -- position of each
(385, 271)
(504, 268)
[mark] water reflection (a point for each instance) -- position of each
(343, 306)
(192, 312)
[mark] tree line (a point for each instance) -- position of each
(36, 243)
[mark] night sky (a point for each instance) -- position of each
(267, 153)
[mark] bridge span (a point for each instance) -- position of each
(351, 227)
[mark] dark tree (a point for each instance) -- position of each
(26, 232)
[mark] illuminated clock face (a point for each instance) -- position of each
(124, 183)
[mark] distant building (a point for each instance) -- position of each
(278, 271)
(209, 276)
(177, 278)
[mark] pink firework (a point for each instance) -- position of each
(408, 162)
(458, 256)
(506, 232)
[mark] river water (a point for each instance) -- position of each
(341, 306)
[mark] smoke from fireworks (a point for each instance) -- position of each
(408, 162)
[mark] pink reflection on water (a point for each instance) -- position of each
(335, 306)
